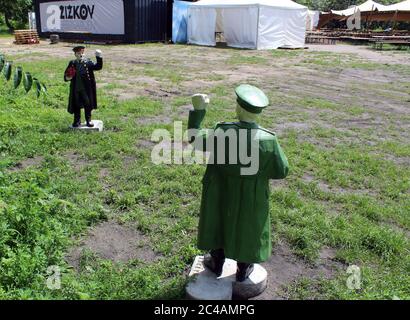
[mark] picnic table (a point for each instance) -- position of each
(392, 37)
(378, 43)
(355, 39)
(400, 41)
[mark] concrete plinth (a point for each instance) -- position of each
(253, 286)
(98, 126)
(204, 285)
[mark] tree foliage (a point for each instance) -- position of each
(327, 5)
(15, 12)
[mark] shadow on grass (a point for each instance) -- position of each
(5, 33)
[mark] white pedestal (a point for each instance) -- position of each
(204, 285)
(98, 126)
(252, 287)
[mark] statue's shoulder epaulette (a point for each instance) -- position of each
(223, 123)
(268, 131)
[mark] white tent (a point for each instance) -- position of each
(401, 6)
(253, 24)
(312, 19)
(369, 5)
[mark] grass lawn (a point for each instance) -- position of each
(4, 32)
(343, 122)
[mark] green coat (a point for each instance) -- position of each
(235, 208)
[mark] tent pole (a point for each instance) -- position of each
(370, 16)
(367, 19)
(391, 20)
(394, 20)
(257, 28)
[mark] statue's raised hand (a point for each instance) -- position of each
(200, 101)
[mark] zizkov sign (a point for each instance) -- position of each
(84, 16)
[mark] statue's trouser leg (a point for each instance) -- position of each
(77, 117)
(218, 254)
(244, 271)
(215, 261)
(88, 112)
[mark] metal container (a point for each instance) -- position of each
(54, 39)
(151, 18)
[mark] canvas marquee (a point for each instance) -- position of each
(312, 19)
(373, 11)
(253, 24)
(367, 6)
(401, 6)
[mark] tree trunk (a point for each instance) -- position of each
(8, 23)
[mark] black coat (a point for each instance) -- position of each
(87, 74)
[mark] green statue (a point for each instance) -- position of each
(83, 89)
(234, 217)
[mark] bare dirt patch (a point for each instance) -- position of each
(139, 61)
(278, 184)
(104, 173)
(146, 144)
(184, 110)
(400, 161)
(77, 161)
(393, 225)
(324, 187)
(126, 94)
(365, 122)
(297, 126)
(129, 161)
(27, 163)
(161, 119)
(165, 146)
(364, 52)
(104, 176)
(115, 242)
(284, 268)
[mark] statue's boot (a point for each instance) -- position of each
(89, 122)
(77, 120)
(88, 118)
(244, 270)
(214, 261)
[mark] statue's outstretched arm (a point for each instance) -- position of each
(197, 135)
(280, 165)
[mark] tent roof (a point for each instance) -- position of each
(369, 5)
(401, 6)
(283, 4)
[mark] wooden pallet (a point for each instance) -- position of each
(26, 37)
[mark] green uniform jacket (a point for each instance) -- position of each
(235, 208)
